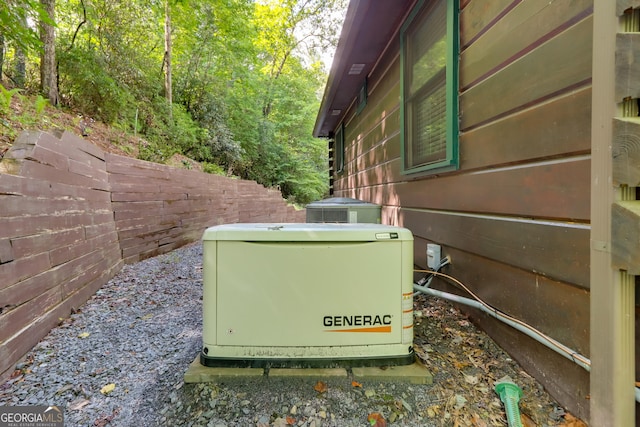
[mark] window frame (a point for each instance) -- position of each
(451, 161)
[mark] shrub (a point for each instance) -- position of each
(86, 85)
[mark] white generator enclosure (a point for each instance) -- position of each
(316, 295)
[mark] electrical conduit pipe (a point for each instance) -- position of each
(545, 340)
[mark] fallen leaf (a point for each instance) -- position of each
(104, 420)
(471, 379)
(571, 421)
(527, 421)
(78, 404)
(320, 387)
(64, 388)
(147, 316)
(356, 384)
(376, 420)
(108, 388)
(477, 421)
(432, 411)
(460, 365)
(459, 401)
(84, 335)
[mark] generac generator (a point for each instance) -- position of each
(307, 295)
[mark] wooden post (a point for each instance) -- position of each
(612, 290)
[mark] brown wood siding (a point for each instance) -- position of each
(515, 216)
(528, 23)
(525, 244)
(547, 70)
(477, 16)
(562, 128)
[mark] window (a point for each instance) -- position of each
(429, 87)
(338, 148)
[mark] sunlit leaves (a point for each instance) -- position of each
(18, 22)
(245, 75)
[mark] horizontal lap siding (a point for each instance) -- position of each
(515, 216)
(525, 119)
(372, 138)
(560, 128)
(548, 70)
(523, 243)
(538, 20)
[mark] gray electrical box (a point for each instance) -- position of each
(343, 210)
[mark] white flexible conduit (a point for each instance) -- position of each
(476, 302)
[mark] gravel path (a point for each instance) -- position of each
(139, 333)
(120, 361)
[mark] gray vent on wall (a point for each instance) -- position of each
(343, 210)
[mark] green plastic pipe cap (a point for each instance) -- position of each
(510, 395)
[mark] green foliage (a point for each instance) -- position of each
(6, 95)
(217, 143)
(245, 79)
(213, 168)
(87, 86)
(169, 134)
(40, 104)
(30, 115)
(15, 16)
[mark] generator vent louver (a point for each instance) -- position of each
(343, 210)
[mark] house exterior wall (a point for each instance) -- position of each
(515, 216)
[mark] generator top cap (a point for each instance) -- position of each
(307, 232)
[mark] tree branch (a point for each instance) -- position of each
(84, 21)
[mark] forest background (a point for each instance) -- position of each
(232, 84)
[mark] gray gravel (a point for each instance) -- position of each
(139, 333)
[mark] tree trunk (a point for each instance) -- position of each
(1, 56)
(48, 72)
(20, 70)
(167, 56)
